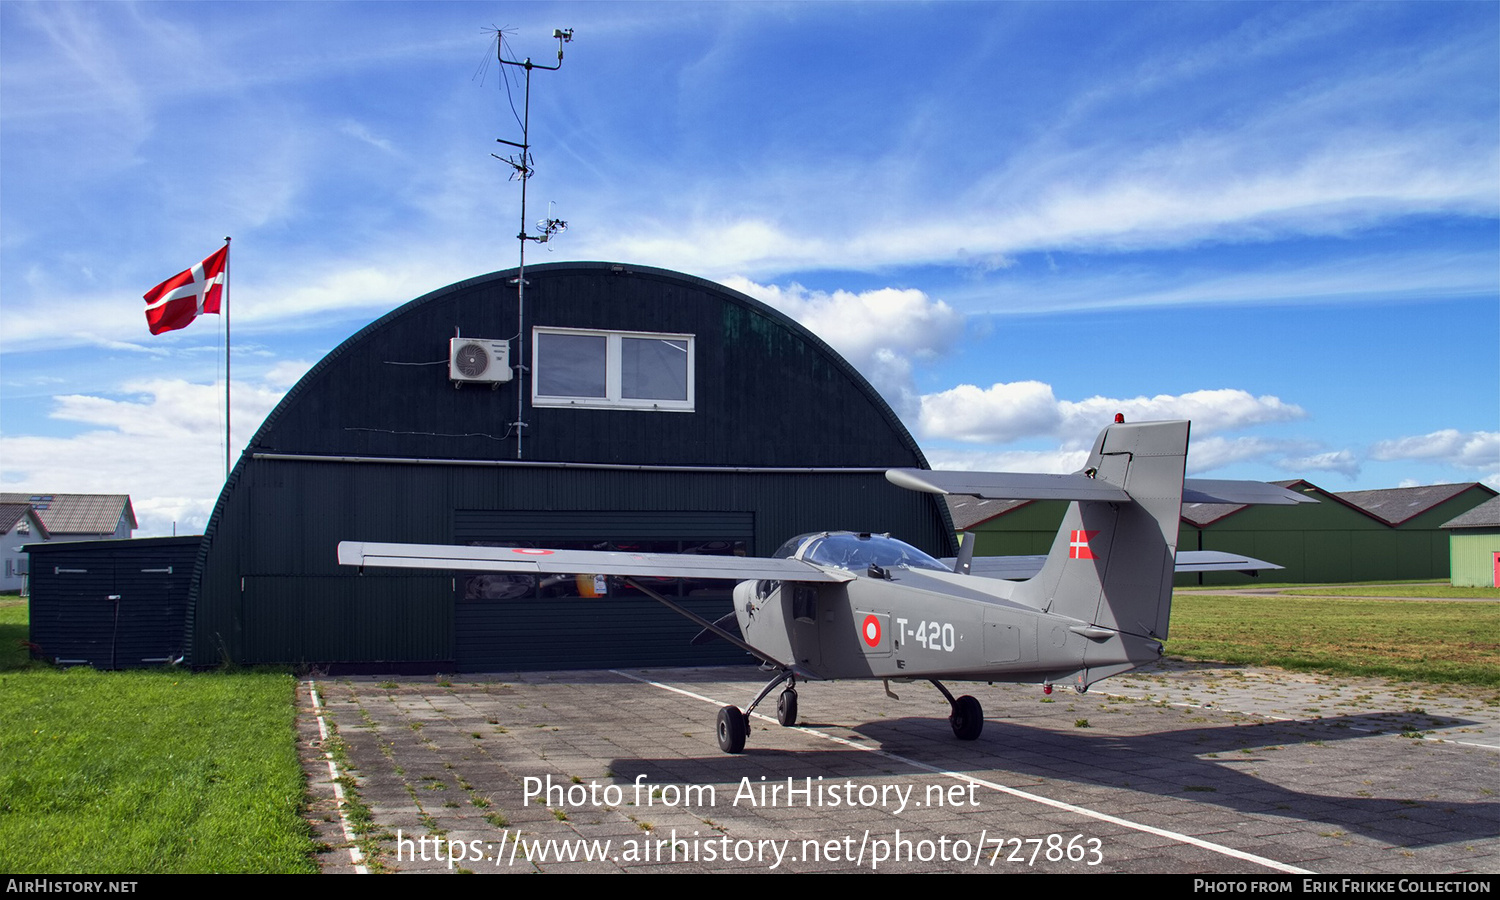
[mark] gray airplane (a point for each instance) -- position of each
(846, 605)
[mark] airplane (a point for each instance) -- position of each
(837, 605)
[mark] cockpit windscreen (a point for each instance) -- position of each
(846, 550)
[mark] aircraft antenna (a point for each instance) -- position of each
(521, 162)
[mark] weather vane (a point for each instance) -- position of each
(548, 227)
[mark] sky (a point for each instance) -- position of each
(1281, 221)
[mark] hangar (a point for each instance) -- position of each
(650, 410)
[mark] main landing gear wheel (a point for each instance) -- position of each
(786, 708)
(732, 728)
(967, 718)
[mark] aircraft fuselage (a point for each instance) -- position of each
(910, 622)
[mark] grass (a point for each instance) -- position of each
(146, 771)
(1256, 584)
(1419, 591)
(1430, 641)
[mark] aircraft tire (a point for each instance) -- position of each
(967, 718)
(786, 708)
(731, 729)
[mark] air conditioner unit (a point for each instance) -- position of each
(478, 360)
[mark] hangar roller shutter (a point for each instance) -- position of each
(517, 624)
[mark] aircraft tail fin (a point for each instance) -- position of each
(1112, 562)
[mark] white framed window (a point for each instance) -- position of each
(612, 369)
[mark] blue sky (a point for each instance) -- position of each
(1279, 220)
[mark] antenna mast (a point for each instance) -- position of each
(547, 227)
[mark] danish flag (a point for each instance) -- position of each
(176, 302)
(1078, 544)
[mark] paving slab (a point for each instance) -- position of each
(1180, 768)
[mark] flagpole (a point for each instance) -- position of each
(228, 413)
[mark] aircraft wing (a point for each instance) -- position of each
(1019, 568)
(538, 561)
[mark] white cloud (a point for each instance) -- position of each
(286, 373)
(857, 324)
(1343, 462)
(161, 441)
(360, 132)
(1466, 450)
(1007, 412)
(1000, 413)
(1217, 452)
(1211, 411)
(1204, 455)
(1047, 462)
(1318, 164)
(265, 299)
(880, 332)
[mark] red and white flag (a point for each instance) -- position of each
(176, 302)
(1078, 544)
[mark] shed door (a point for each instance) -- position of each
(72, 621)
(111, 613)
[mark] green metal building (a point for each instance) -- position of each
(1331, 540)
(661, 412)
(1394, 534)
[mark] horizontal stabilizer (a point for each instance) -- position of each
(1219, 561)
(537, 561)
(1206, 490)
(1007, 485)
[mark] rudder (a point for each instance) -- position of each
(1111, 564)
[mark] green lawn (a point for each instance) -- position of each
(146, 771)
(1429, 591)
(1455, 642)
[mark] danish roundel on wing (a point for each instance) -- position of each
(870, 631)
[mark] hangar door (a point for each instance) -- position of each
(518, 622)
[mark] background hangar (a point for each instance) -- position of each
(666, 413)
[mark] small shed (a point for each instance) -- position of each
(1474, 546)
(111, 604)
